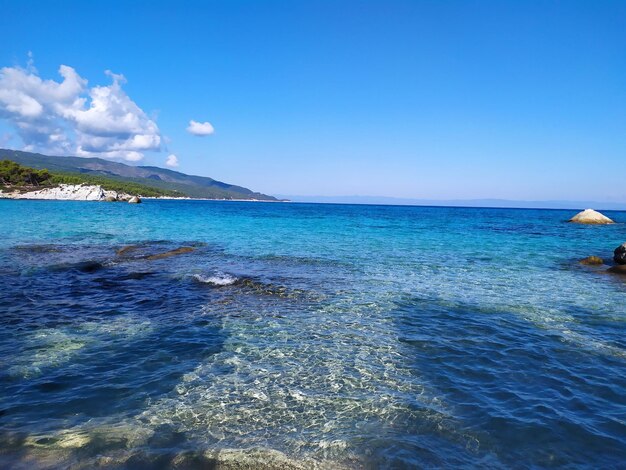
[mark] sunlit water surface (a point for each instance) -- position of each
(316, 335)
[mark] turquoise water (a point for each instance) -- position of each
(337, 335)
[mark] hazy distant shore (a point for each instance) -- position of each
(486, 203)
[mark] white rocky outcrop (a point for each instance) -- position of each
(589, 216)
(69, 192)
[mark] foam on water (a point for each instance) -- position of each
(216, 280)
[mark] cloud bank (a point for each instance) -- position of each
(68, 117)
(200, 128)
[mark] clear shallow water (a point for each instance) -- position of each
(361, 336)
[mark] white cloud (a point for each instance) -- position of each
(200, 128)
(172, 161)
(67, 117)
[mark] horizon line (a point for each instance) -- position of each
(494, 203)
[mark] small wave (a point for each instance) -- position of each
(217, 280)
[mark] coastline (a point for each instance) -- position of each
(95, 193)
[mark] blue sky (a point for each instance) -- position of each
(416, 99)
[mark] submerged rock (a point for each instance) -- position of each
(88, 266)
(167, 254)
(126, 249)
(589, 216)
(592, 261)
(217, 459)
(619, 269)
(619, 255)
(46, 248)
(136, 276)
(134, 200)
(252, 459)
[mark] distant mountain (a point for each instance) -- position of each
(495, 203)
(155, 177)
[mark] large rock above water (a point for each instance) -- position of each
(619, 255)
(589, 216)
(68, 192)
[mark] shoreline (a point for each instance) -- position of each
(122, 197)
(95, 193)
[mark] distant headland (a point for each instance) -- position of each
(51, 177)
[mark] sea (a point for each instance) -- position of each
(216, 334)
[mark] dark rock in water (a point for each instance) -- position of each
(167, 254)
(136, 276)
(619, 255)
(592, 261)
(39, 248)
(619, 269)
(88, 266)
(82, 266)
(53, 386)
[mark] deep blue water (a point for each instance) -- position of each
(337, 335)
